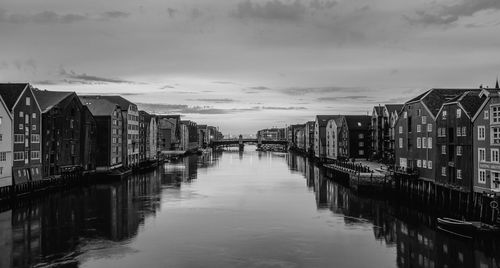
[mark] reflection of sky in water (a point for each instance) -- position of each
(254, 209)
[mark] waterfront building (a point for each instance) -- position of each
(454, 141)
(189, 136)
(61, 131)
(109, 138)
(354, 140)
(417, 122)
(393, 111)
(291, 136)
(309, 137)
(148, 132)
(26, 128)
(381, 130)
(272, 134)
(320, 134)
(300, 138)
(130, 128)
(332, 137)
(88, 142)
(202, 136)
(486, 138)
(169, 133)
(5, 146)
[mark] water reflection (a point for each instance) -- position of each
(230, 209)
(417, 243)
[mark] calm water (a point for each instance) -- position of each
(232, 209)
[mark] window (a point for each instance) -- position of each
(400, 129)
(495, 135)
(419, 142)
(3, 156)
(35, 138)
(405, 114)
(400, 142)
(33, 127)
(482, 155)
(0, 120)
(26, 119)
(21, 114)
(71, 122)
(486, 115)
(419, 163)
(419, 112)
(464, 131)
(444, 115)
(424, 163)
(21, 127)
(459, 174)
(429, 164)
(35, 154)
(429, 142)
(419, 128)
(495, 158)
(424, 142)
(33, 116)
(429, 127)
(361, 136)
(443, 171)
(361, 144)
(18, 156)
(424, 119)
(495, 180)
(18, 138)
(459, 113)
(459, 150)
(1, 137)
(28, 101)
(459, 131)
(361, 152)
(482, 176)
(443, 149)
(495, 114)
(481, 133)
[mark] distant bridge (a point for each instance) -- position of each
(235, 142)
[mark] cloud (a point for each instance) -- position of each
(322, 5)
(283, 108)
(224, 82)
(445, 15)
(166, 87)
(45, 17)
(115, 14)
(185, 109)
(171, 12)
(343, 98)
(225, 100)
(271, 10)
(319, 90)
(260, 88)
(90, 79)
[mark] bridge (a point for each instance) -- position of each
(240, 142)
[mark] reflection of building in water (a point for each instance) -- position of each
(6, 238)
(320, 188)
(26, 234)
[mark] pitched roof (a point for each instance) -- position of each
(471, 101)
(357, 122)
(48, 99)
(10, 92)
(121, 101)
(434, 98)
(379, 109)
(323, 119)
(99, 107)
(391, 108)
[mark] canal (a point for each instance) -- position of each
(229, 209)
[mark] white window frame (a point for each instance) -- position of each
(429, 127)
(481, 133)
(481, 155)
(481, 179)
(495, 135)
(400, 130)
(429, 164)
(400, 142)
(495, 156)
(459, 112)
(495, 114)
(28, 101)
(419, 163)
(464, 131)
(459, 174)
(424, 163)
(419, 128)
(459, 150)
(486, 115)
(443, 149)
(429, 143)
(424, 119)
(419, 142)
(424, 142)
(443, 171)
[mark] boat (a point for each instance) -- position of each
(460, 228)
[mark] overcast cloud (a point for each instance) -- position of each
(216, 59)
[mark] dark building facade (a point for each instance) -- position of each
(27, 123)
(355, 138)
(109, 120)
(88, 142)
(61, 128)
(454, 141)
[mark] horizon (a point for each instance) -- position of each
(249, 65)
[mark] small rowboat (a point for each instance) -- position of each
(464, 229)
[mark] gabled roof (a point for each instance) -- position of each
(323, 119)
(99, 107)
(10, 93)
(378, 109)
(48, 99)
(434, 98)
(357, 122)
(391, 108)
(470, 101)
(119, 100)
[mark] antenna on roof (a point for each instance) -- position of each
(496, 85)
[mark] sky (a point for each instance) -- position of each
(245, 65)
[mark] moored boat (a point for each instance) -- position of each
(458, 227)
